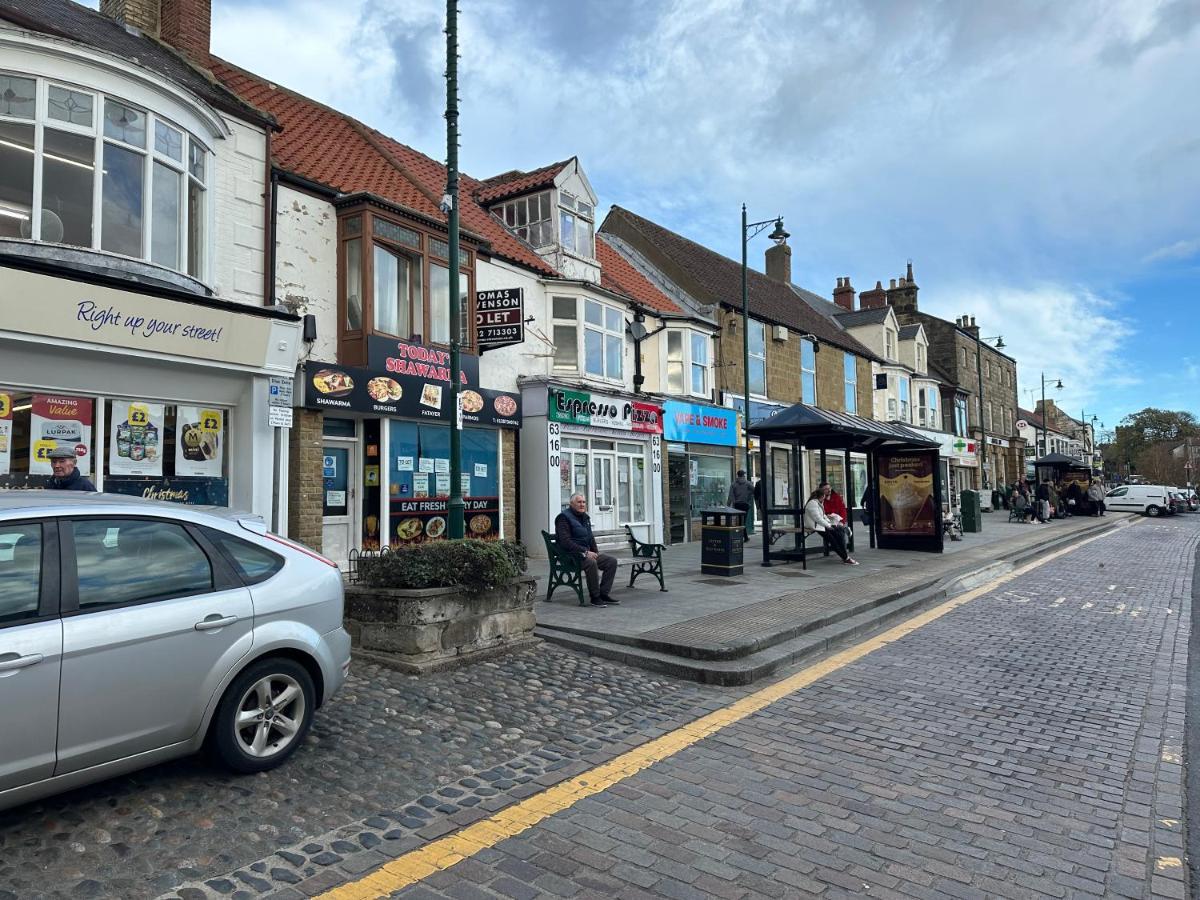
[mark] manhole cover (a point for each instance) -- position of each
(719, 582)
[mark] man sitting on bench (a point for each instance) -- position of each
(835, 533)
(573, 533)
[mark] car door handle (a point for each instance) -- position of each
(214, 621)
(20, 662)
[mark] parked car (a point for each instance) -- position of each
(1150, 499)
(1178, 502)
(133, 632)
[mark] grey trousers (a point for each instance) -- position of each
(593, 569)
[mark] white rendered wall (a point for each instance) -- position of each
(237, 254)
(306, 265)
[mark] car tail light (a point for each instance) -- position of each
(300, 547)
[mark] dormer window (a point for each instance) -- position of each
(529, 218)
(575, 225)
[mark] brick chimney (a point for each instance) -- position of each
(843, 294)
(874, 298)
(903, 293)
(185, 25)
(969, 326)
(779, 262)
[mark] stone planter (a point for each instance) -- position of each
(428, 629)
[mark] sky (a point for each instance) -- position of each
(1039, 162)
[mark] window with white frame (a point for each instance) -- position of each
(688, 362)
(530, 218)
(850, 376)
(922, 408)
(575, 225)
(101, 173)
(935, 420)
(921, 366)
(603, 340)
(960, 416)
(758, 358)
(904, 399)
(808, 372)
(889, 343)
(564, 311)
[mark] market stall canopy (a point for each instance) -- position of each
(823, 429)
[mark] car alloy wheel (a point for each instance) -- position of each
(1152, 511)
(269, 716)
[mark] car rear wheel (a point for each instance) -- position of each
(264, 715)
(1152, 510)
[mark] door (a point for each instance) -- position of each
(151, 624)
(1119, 499)
(603, 502)
(30, 652)
(680, 497)
(339, 500)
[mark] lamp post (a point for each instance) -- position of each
(454, 506)
(1058, 387)
(979, 342)
(779, 236)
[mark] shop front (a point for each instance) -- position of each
(605, 446)
(385, 448)
(957, 462)
(701, 461)
(160, 395)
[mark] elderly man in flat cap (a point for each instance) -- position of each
(66, 477)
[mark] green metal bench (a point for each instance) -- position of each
(647, 560)
(566, 569)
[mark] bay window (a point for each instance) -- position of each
(904, 400)
(566, 334)
(758, 358)
(688, 363)
(700, 348)
(101, 173)
(603, 340)
(394, 280)
(575, 218)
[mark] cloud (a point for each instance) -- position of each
(1177, 250)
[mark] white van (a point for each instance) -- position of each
(1151, 499)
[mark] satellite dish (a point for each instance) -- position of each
(52, 227)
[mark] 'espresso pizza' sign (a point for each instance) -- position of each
(583, 408)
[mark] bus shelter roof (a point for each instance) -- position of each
(823, 429)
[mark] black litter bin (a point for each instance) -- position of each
(721, 531)
(972, 518)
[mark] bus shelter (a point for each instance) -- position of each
(1070, 475)
(904, 486)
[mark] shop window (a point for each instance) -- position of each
(850, 378)
(97, 151)
(808, 372)
(332, 427)
(31, 425)
(758, 358)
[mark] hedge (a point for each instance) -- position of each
(475, 566)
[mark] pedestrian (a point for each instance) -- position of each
(816, 520)
(573, 533)
(1095, 495)
(741, 492)
(833, 503)
(1056, 503)
(66, 477)
(1043, 500)
(1020, 502)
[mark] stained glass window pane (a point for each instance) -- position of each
(168, 141)
(18, 96)
(393, 232)
(67, 105)
(124, 123)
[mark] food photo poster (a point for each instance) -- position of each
(201, 433)
(136, 430)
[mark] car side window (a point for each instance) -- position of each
(122, 561)
(1118, 492)
(255, 564)
(20, 571)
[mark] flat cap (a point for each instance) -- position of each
(61, 453)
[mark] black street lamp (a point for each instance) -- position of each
(1058, 387)
(778, 235)
(999, 339)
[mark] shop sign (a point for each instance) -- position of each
(759, 410)
(499, 318)
(584, 408)
(194, 492)
(58, 420)
(136, 432)
(199, 436)
(412, 363)
(998, 442)
(906, 494)
(418, 520)
(73, 310)
(392, 392)
(6, 425)
(700, 424)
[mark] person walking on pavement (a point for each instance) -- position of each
(66, 476)
(573, 532)
(1043, 500)
(1095, 494)
(816, 520)
(741, 492)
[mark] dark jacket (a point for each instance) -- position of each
(1043, 492)
(740, 492)
(73, 482)
(573, 532)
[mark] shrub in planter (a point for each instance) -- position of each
(474, 566)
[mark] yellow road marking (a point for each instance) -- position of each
(445, 852)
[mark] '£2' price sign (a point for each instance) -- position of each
(210, 421)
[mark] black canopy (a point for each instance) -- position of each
(1059, 461)
(823, 429)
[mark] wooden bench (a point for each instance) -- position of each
(647, 560)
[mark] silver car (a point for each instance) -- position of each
(132, 632)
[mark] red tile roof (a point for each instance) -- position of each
(619, 275)
(329, 147)
(510, 184)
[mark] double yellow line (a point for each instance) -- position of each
(445, 852)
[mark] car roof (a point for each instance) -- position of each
(58, 503)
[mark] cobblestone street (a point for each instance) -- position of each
(1026, 743)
